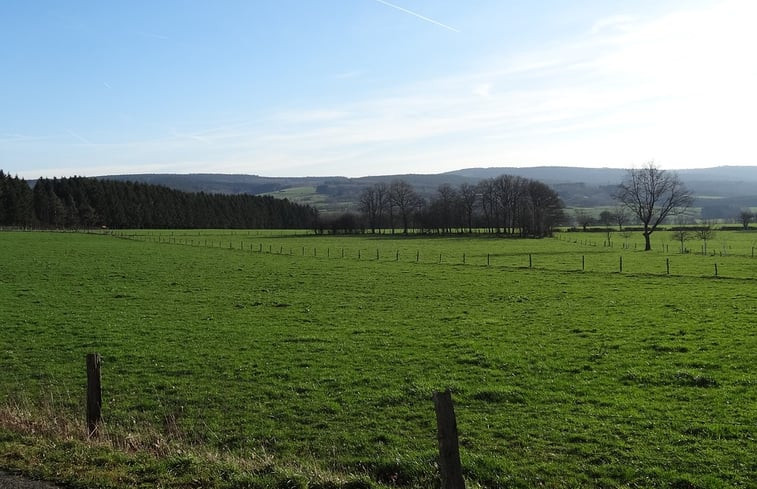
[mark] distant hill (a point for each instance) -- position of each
(723, 187)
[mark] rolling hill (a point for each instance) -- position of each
(722, 189)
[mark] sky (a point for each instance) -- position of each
(373, 87)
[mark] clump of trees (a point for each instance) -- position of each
(87, 202)
(506, 204)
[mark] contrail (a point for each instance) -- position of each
(417, 15)
(79, 137)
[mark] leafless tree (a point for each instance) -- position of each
(446, 200)
(372, 203)
(583, 218)
(405, 199)
(706, 234)
(488, 203)
(620, 215)
(468, 198)
(651, 194)
(682, 235)
(745, 217)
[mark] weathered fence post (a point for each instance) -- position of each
(397, 256)
(377, 254)
(716, 269)
(449, 448)
(530, 262)
(417, 256)
(487, 259)
(94, 394)
(583, 263)
(621, 264)
(667, 265)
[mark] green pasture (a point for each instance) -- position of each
(282, 359)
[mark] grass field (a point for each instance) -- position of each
(251, 359)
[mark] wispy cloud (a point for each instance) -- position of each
(415, 14)
(678, 88)
(79, 137)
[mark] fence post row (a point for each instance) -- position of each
(94, 394)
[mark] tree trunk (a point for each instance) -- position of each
(647, 242)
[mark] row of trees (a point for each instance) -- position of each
(88, 202)
(506, 204)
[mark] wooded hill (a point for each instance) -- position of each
(719, 191)
(89, 202)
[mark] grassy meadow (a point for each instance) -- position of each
(281, 359)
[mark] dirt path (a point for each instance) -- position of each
(8, 481)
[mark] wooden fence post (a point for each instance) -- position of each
(667, 265)
(449, 449)
(621, 264)
(94, 394)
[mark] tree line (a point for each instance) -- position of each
(505, 204)
(80, 202)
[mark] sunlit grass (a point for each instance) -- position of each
(271, 346)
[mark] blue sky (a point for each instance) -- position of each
(365, 87)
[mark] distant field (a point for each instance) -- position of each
(278, 359)
(310, 196)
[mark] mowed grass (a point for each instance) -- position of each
(326, 365)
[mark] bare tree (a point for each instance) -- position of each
(651, 194)
(682, 235)
(583, 218)
(446, 199)
(488, 202)
(404, 197)
(706, 234)
(620, 214)
(468, 197)
(371, 203)
(745, 217)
